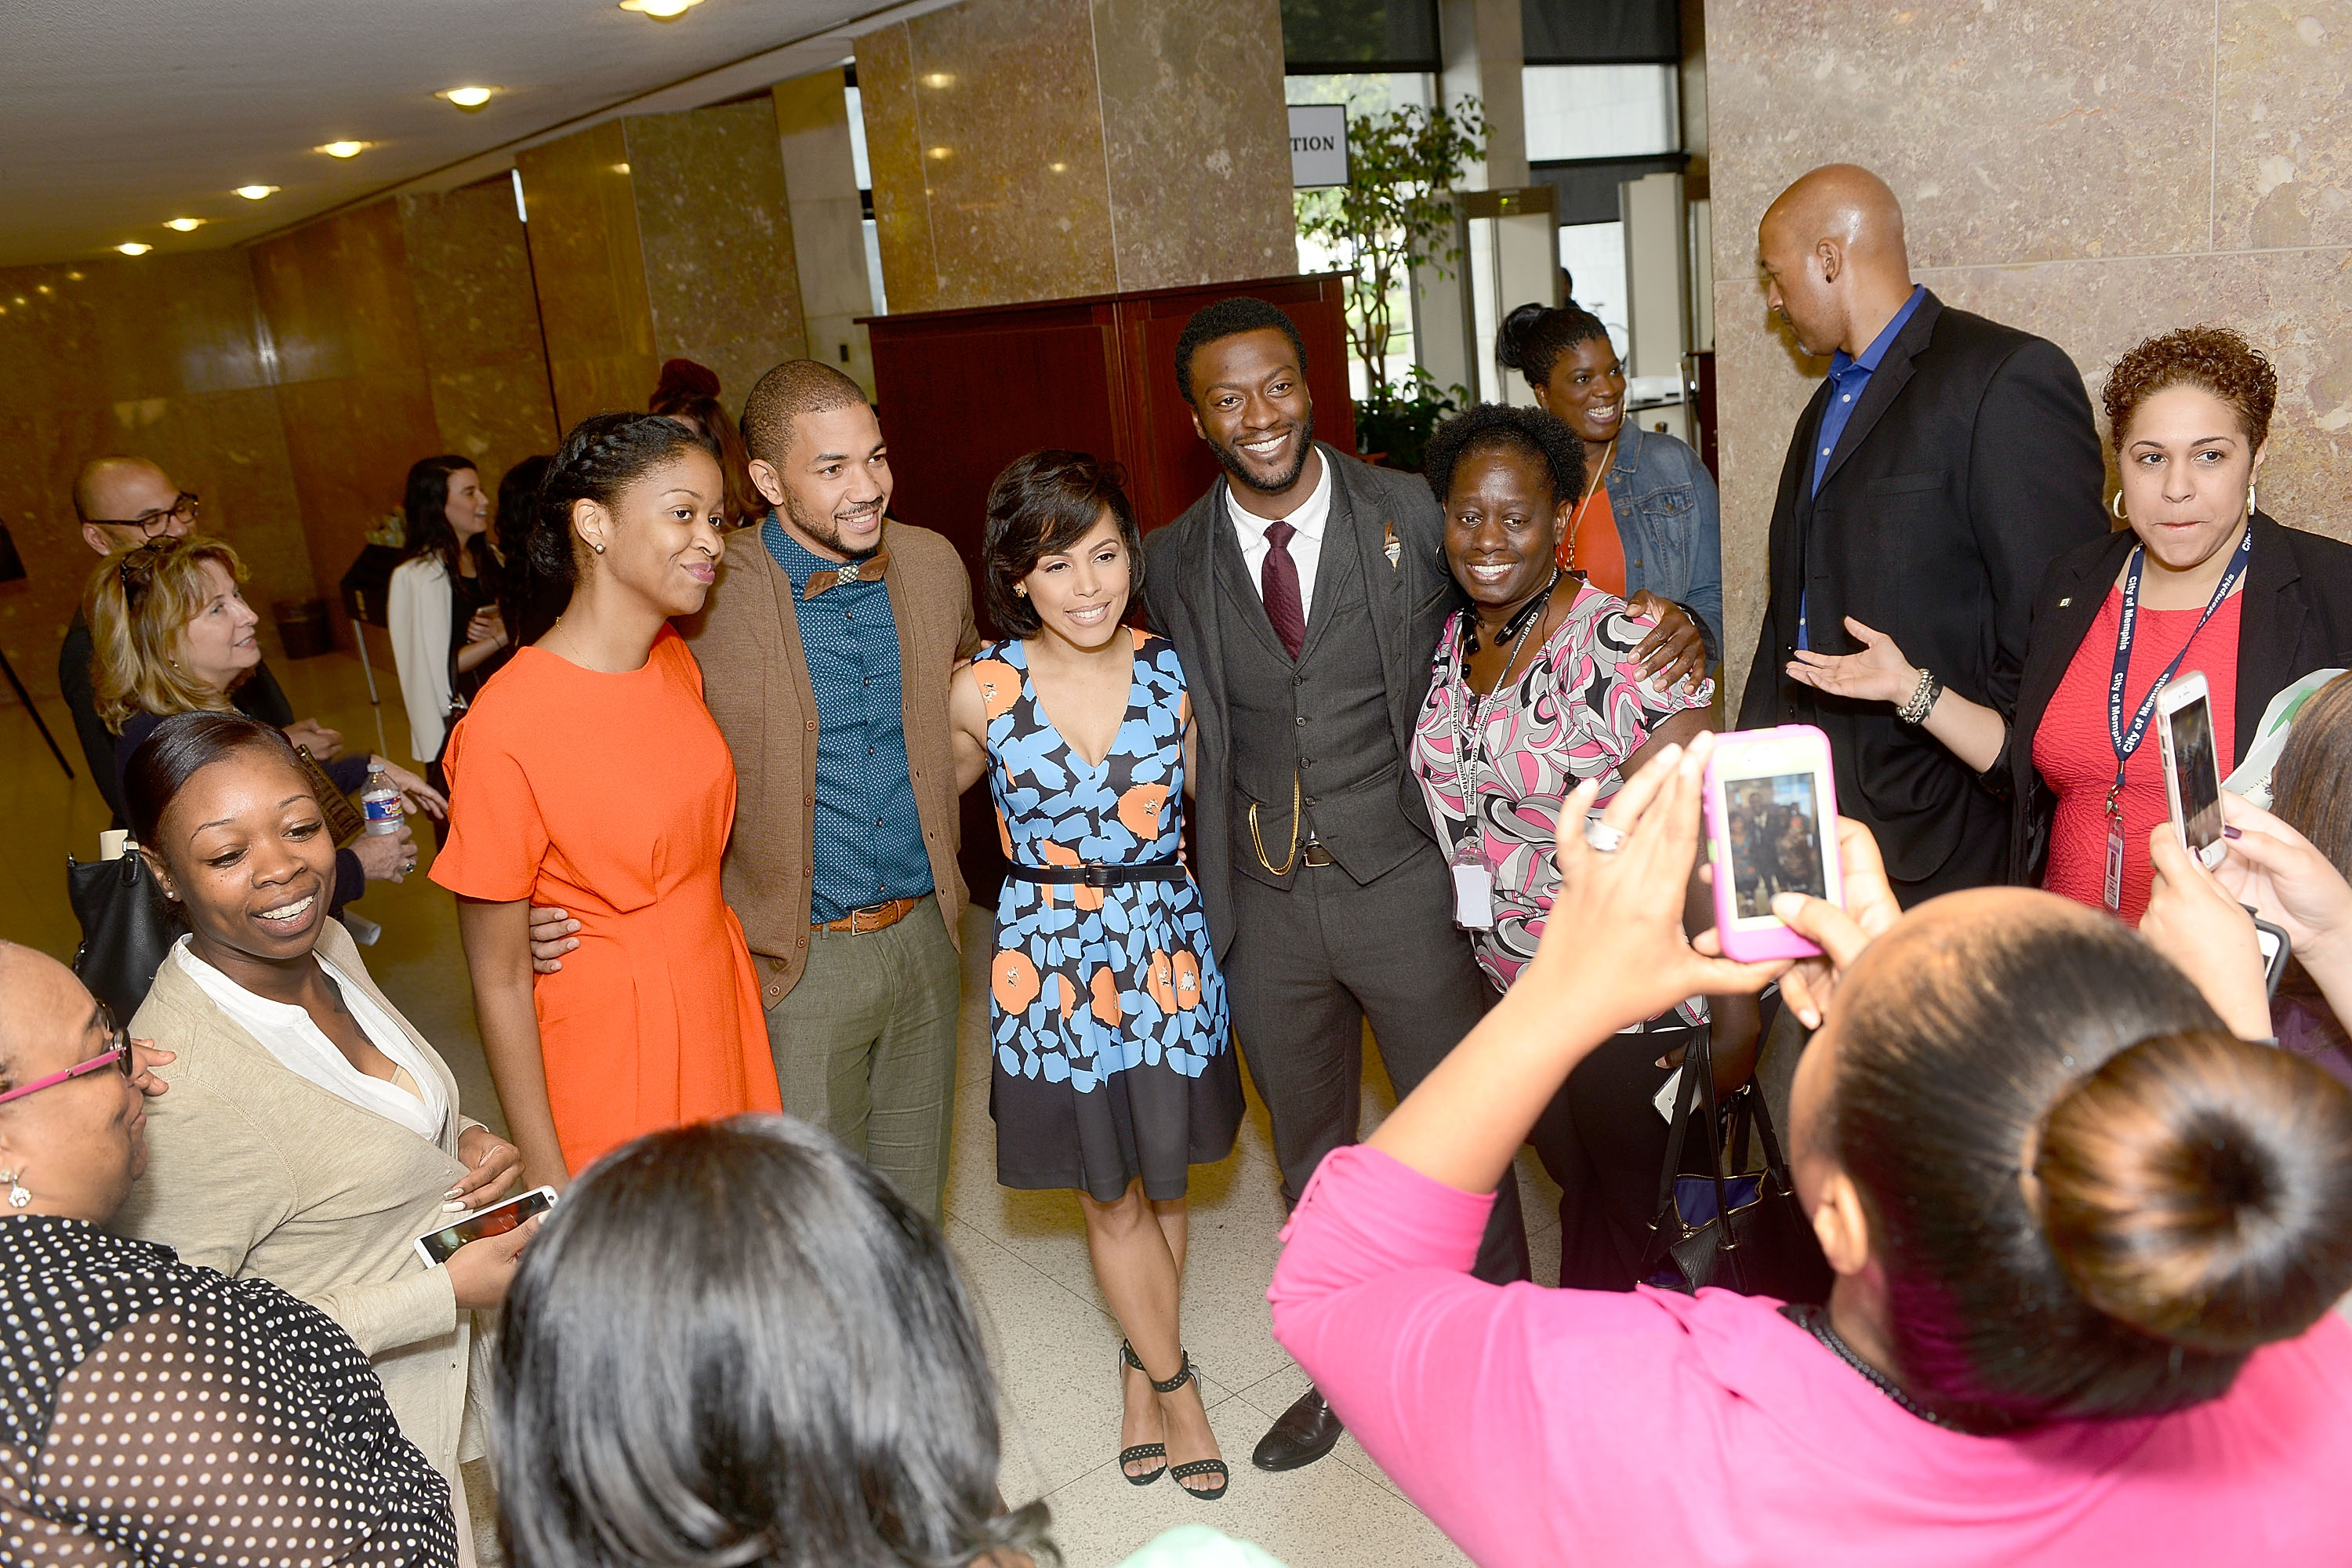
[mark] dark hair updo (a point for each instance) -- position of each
(1493, 427)
(1533, 338)
(1044, 502)
(2195, 1190)
(173, 752)
(603, 456)
(734, 1343)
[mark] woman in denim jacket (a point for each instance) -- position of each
(1647, 528)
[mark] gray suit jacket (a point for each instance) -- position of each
(1410, 600)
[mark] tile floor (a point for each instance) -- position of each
(1052, 1343)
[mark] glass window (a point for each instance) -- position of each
(1600, 111)
(1375, 35)
(1365, 94)
(1593, 256)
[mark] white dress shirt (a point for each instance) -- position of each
(285, 1032)
(1306, 545)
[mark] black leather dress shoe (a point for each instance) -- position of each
(1306, 1431)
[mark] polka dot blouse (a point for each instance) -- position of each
(155, 1413)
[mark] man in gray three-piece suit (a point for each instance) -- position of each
(1305, 594)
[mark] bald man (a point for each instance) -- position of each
(826, 647)
(1942, 466)
(120, 503)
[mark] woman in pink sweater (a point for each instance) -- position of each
(2086, 1243)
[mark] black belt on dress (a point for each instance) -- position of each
(1098, 875)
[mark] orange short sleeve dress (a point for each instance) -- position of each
(611, 797)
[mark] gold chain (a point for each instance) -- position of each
(1576, 518)
(1259, 844)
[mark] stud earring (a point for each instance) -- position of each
(17, 1196)
(1020, 590)
(599, 548)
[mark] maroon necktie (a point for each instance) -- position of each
(1278, 581)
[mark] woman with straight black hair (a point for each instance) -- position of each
(734, 1345)
(447, 636)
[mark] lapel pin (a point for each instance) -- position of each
(1392, 548)
(2066, 601)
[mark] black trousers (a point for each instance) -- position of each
(1309, 963)
(1602, 1140)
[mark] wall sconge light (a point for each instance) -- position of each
(185, 225)
(132, 247)
(256, 192)
(467, 98)
(343, 149)
(660, 10)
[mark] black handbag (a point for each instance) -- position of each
(125, 932)
(1744, 1232)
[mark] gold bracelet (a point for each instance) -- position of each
(1259, 844)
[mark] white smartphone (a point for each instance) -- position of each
(2192, 765)
(442, 1244)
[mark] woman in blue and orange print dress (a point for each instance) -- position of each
(1114, 1073)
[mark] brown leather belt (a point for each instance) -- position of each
(872, 917)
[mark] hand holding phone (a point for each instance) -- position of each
(2192, 766)
(1771, 811)
(439, 1246)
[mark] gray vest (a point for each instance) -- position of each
(1324, 717)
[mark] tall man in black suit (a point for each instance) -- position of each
(1942, 465)
(1305, 594)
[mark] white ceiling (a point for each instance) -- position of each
(118, 114)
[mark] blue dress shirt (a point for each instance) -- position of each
(1849, 374)
(868, 838)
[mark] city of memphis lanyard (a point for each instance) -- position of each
(2128, 741)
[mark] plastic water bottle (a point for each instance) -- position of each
(381, 802)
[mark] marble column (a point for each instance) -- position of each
(828, 220)
(658, 236)
(2092, 173)
(1049, 149)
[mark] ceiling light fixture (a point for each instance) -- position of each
(185, 225)
(256, 192)
(467, 97)
(343, 149)
(132, 247)
(660, 10)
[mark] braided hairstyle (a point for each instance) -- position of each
(603, 456)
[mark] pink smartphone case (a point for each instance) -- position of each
(1778, 940)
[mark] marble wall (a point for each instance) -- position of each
(661, 236)
(2094, 171)
(1047, 149)
(156, 357)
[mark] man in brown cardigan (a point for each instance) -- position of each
(825, 651)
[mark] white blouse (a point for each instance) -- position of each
(285, 1032)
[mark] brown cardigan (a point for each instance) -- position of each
(756, 681)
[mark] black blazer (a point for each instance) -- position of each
(1969, 464)
(2296, 618)
(1410, 599)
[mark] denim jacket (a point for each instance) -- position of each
(1667, 518)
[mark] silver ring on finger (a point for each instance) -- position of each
(1603, 838)
(406, 867)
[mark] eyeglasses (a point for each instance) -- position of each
(143, 557)
(183, 509)
(118, 1056)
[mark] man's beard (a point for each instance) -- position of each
(826, 532)
(1231, 463)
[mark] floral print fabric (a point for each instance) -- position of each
(1577, 712)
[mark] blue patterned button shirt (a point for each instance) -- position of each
(868, 841)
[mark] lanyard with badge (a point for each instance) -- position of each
(1474, 880)
(2127, 741)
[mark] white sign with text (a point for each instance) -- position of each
(1318, 144)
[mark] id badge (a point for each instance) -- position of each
(2115, 865)
(1474, 896)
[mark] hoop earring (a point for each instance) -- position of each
(2250, 497)
(18, 1194)
(2115, 508)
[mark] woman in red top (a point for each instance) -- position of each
(2217, 587)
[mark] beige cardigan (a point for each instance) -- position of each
(258, 1171)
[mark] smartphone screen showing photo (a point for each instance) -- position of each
(2197, 773)
(497, 1220)
(1775, 830)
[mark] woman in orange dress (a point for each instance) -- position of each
(589, 775)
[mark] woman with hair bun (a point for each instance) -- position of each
(589, 779)
(2199, 578)
(2085, 1245)
(1646, 527)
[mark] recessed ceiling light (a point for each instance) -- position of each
(343, 149)
(467, 97)
(73, 276)
(132, 247)
(618, 168)
(185, 225)
(256, 192)
(42, 289)
(660, 10)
